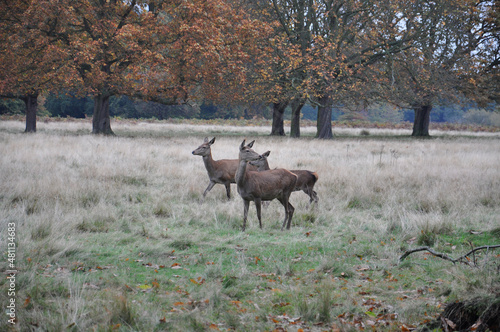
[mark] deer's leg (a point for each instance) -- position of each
(258, 208)
(210, 186)
(315, 196)
(246, 204)
(308, 191)
(284, 202)
(228, 189)
(291, 209)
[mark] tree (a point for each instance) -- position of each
(30, 61)
(444, 65)
(483, 76)
(105, 40)
(332, 45)
(297, 105)
(281, 72)
(172, 52)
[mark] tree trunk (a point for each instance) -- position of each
(278, 128)
(324, 122)
(422, 120)
(31, 102)
(297, 105)
(101, 121)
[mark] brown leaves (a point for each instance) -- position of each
(199, 281)
(284, 320)
(27, 302)
(370, 319)
(200, 51)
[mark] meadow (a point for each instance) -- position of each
(112, 233)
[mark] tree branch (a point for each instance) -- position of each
(125, 15)
(446, 257)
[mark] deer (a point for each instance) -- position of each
(219, 171)
(263, 186)
(305, 179)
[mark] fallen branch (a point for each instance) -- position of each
(461, 259)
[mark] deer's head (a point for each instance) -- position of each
(262, 161)
(246, 152)
(204, 149)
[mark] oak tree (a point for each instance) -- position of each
(30, 60)
(105, 39)
(173, 52)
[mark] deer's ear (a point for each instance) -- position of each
(251, 143)
(242, 145)
(212, 141)
(266, 154)
(205, 140)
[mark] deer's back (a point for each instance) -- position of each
(305, 178)
(268, 184)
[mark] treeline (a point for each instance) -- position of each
(125, 107)
(219, 58)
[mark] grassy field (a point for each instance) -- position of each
(111, 233)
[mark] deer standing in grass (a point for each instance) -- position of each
(305, 179)
(219, 171)
(263, 186)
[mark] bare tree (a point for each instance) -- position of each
(446, 65)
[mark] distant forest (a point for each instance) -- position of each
(125, 107)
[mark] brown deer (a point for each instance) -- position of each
(219, 171)
(263, 186)
(305, 179)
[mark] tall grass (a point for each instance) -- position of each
(112, 232)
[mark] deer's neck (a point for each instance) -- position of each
(240, 173)
(209, 163)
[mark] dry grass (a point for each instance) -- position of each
(102, 222)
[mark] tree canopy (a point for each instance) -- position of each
(283, 53)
